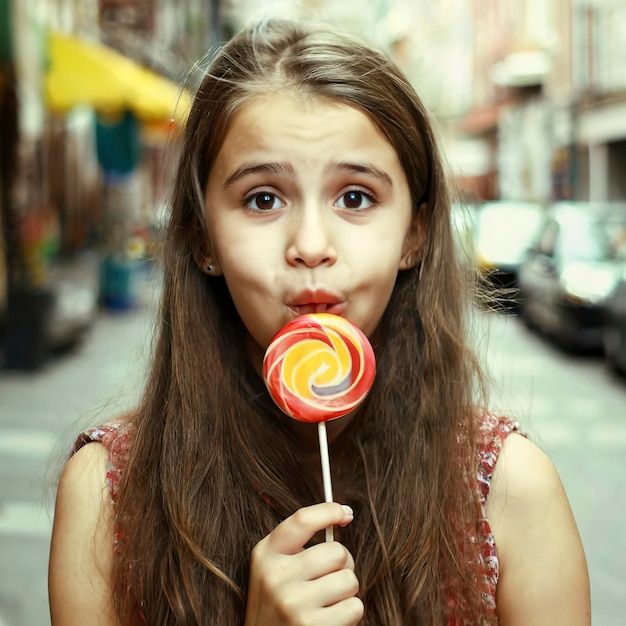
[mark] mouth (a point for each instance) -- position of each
(321, 307)
(320, 301)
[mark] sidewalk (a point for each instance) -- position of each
(40, 415)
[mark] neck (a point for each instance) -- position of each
(308, 432)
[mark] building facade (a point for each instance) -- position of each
(549, 97)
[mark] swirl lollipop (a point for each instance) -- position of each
(317, 368)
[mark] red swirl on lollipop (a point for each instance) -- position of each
(319, 367)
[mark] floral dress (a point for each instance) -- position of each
(117, 438)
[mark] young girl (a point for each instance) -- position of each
(310, 181)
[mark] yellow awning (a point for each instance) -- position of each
(83, 72)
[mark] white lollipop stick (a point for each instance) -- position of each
(328, 488)
(296, 372)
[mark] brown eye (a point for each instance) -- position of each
(264, 201)
(355, 200)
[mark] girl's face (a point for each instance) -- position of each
(310, 211)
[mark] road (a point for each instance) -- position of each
(570, 406)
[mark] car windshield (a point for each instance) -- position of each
(585, 241)
(506, 232)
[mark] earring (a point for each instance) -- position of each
(210, 268)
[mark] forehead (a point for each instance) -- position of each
(289, 121)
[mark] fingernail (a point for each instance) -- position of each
(348, 510)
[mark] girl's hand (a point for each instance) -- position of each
(290, 585)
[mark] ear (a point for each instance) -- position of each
(414, 240)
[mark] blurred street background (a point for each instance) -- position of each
(530, 100)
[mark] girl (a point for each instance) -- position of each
(310, 181)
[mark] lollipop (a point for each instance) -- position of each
(317, 368)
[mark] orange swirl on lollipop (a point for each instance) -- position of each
(319, 367)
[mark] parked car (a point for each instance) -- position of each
(568, 274)
(503, 232)
(615, 326)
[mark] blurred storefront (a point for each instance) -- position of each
(30, 227)
(167, 36)
(511, 60)
(480, 125)
(89, 141)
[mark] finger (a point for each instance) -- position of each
(290, 536)
(324, 558)
(332, 588)
(347, 612)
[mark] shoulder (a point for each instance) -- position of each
(82, 542)
(524, 479)
(543, 571)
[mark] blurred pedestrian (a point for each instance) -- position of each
(310, 181)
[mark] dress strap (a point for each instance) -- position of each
(493, 431)
(116, 437)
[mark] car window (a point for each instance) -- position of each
(584, 240)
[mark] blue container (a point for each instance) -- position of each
(119, 284)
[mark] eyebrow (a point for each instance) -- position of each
(286, 169)
(360, 168)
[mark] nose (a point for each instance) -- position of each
(311, 239)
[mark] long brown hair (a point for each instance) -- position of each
(214, 468)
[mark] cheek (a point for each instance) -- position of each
(236, 242)
(242, 278)
(372, 298)
(381, 255)
(247, 264)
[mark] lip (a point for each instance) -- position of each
(316, 301)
